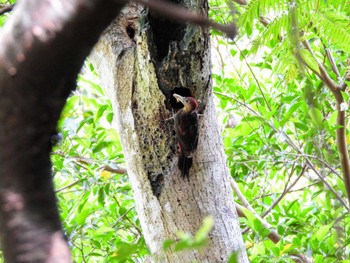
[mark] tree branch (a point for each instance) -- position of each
(255, 78)
(273, 235)
(42, 48)
(6, 8)
(118, 169)
(331, 61)
(181, 14)
(343, 151)
(292, 144)
(324, 76)
(285, 191)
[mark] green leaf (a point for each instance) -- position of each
(99, 113)
(234, 257)
(322, 232)
(109, 117)
(207, 226)
(167, 244)
(316, 117)
(248, 214)
(309, 60)
(291, 110)
(101, 196)
(104, 230)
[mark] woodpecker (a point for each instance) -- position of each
(186, 129)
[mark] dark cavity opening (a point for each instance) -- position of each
(165, 31)
(130, 31)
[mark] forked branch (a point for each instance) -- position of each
(341, 118)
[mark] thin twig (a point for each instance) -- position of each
(238, 101)
(290, 191)
(331, 61)
(255, 78)
(70, 185)
(318, 159)
(122, 216)
(127, 218)
(89, 161)
(285, 191)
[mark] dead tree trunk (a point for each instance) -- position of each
(142, 60)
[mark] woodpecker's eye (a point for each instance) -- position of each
(187, 101)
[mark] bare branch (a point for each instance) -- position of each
(285, 191)
(300, 258)
(331, 61)
(6, 8)
(324, 76)
(39, 31)
(255, 78)
(240, 2)
(181, 14)
(264, 20)
(273, 235)
(118, 169)
(69, 185)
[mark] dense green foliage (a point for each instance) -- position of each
(280, 125)
(279, 133)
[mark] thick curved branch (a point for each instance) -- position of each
(42, 48)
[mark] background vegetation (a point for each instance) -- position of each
(279, 130)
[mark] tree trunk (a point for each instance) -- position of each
(142, 60)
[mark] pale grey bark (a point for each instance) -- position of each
(165, 202)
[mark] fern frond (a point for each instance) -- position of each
(339, 6)
(257, 8)
(272, 33)
(334, 29)
(281, 26)
(284, 60)
(287, 66)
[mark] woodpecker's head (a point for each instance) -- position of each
(190, 104)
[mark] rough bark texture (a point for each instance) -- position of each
(42, 49)
(142, 60)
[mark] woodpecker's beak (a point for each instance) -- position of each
(179, 98)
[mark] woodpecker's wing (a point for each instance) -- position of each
(186, 128)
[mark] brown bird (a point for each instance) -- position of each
(186, 128)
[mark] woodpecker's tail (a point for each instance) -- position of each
(184, 165)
